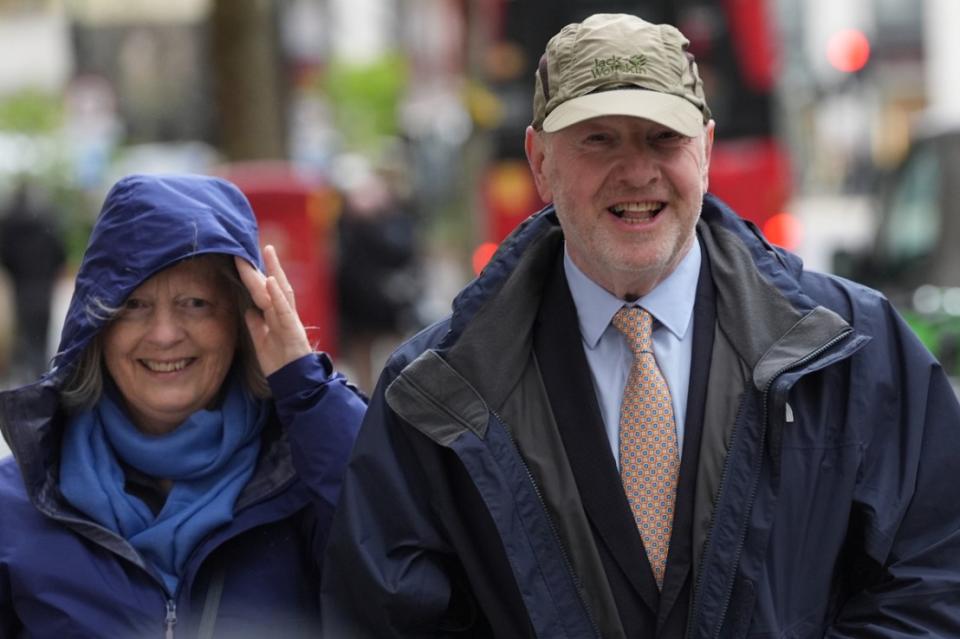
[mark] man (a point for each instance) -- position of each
(778, 466)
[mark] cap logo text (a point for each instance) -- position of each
(602, 67)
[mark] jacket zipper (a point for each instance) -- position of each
(553, 527)
(756, 482)
(699, 582)
(170, 620)
(753, 491)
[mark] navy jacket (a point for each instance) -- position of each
(823, 505)
(62, 575)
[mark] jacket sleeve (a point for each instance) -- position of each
(321, 413)
(385, 572)
(907, 516)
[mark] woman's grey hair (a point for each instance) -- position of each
(84, 382)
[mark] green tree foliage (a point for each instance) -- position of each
(364, 99)
(30, 112)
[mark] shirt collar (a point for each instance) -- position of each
(670, 303)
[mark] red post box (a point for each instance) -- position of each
(509, 196)
(297, 213)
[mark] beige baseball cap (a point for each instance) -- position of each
(619, 64)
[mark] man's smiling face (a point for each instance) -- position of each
(628, 193)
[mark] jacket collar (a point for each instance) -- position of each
(771, 323)
(32, 424)
(491, 329)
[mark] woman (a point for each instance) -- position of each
(177, 468)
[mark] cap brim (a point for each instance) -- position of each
(663, 108)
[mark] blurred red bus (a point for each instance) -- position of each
(738, 58)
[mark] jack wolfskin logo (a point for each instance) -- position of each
(603, 67)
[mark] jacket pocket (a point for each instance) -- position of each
(807, 628)
(811, 515)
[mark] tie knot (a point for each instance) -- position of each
(636, 324)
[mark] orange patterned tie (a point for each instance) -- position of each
(649, 460)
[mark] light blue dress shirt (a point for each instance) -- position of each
(609, 357)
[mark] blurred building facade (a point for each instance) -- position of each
(91, 89)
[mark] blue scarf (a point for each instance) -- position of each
(210, 458)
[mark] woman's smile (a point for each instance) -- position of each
(171, 346)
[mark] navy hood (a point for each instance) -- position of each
(147, 223)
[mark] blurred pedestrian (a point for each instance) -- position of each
(378, 283)
(644, 420)
(178, 467)
(32, 251)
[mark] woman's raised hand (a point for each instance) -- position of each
(277, 332)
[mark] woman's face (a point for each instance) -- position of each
(171, 346)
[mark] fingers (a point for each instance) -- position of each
(256, 326)
(255, 282)
(285, 314)
(277, 333)
(272, 262)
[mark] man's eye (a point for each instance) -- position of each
(670, 137)
(597, 138)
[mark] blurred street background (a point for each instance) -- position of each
(381, 142)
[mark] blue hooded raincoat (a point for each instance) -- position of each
(63, 575)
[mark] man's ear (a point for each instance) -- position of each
(533, 144)
(707, 151)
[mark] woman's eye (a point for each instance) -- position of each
(199, 306)
(195, 303)
(133, 307)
